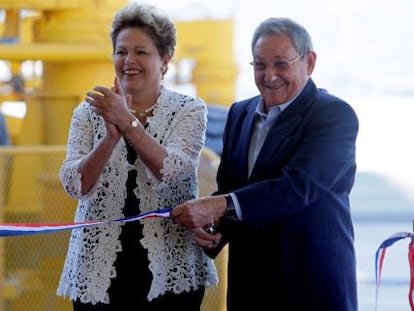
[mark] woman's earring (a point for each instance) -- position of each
(163, 71)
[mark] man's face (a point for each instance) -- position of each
(280, 72)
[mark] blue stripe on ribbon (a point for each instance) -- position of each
(19, 229)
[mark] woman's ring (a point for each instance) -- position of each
(211, 228)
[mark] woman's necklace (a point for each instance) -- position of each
(145, 113)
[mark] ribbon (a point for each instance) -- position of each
(18, 229)
(379, 261)
(411, 261)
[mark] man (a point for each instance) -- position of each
(4, 135)
(288, 163)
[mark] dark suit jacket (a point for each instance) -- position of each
(294, 248)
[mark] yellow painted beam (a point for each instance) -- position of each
(61, 52)
(36, 4)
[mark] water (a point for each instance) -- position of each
(380, 209)
(394, 286)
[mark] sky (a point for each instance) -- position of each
(364, 47)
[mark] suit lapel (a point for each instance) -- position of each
(277, 134)
(246, 130)
(240, 130)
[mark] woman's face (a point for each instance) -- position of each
(279, 71)
(137, 62)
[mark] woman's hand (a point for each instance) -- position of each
(112, 105)
(204, 239)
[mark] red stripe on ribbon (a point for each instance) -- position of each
(379, 262)
(16, 229)
(411, 261)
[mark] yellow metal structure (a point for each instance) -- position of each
(71, 40)
(210, 44)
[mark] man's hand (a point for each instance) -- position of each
(199, 213)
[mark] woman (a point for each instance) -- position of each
(134, 148)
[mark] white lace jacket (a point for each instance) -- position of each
(176, 262)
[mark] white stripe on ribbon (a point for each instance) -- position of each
(16, 229)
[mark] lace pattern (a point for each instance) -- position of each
(176, 262)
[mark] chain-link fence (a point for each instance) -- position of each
(30, 192)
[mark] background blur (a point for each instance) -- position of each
(53, 51)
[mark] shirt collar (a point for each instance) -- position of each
(280, 107)
(272, 113)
